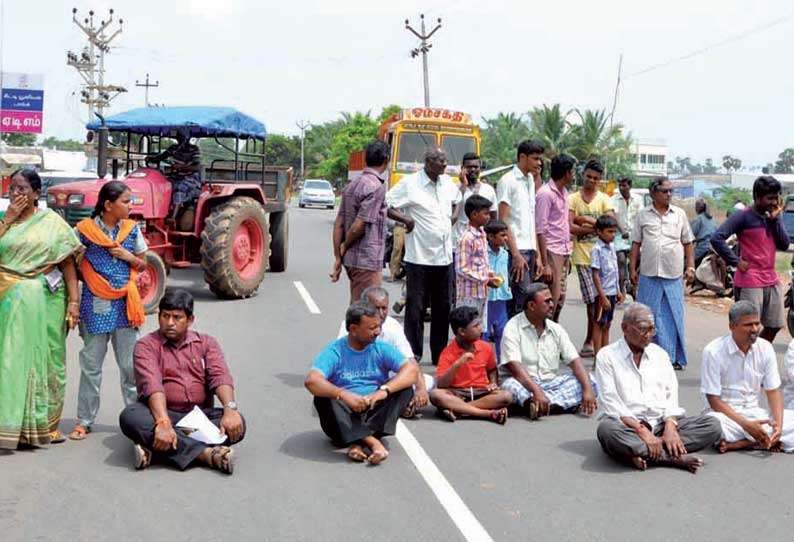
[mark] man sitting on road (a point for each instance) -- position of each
(177, 369)
(533, 347)
(357, 402)
(642, 421)
(735, 368)
(466, 375)
(391, 332)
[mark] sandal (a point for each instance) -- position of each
(410, 411)
(356, 453)
(447, 414)
(498, 416)
(56, 437)
(80, 432)
(143, 457)
(587, 351)
(222, 459)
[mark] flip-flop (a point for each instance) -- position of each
(447, 414)
(222, 459)
(143, 457)
(498, 416)
(56, 437)
(357, 454)
(587, 352)
(80, 432)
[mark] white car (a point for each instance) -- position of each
(317, 192)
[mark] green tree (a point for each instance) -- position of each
(730, 163)
(283, 150)
(19, 140)
(356, 131)
(388, 111)
(726, 197)
(709, 168)
(63, 144)
(500, 137)
(549, 125)
(785, 162)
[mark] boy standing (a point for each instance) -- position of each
(604, 266)
(472, 273)
(466, 376)
(499, 295)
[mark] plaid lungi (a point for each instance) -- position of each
(563, 390)
(586, 284)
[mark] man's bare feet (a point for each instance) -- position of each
(687, 462)
(639, 463)
(723, 446)
(379, 451)
(356, 453)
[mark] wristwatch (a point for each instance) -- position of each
(672, 419)
(231, 405)
(385, 388)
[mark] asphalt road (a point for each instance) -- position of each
(545, 481)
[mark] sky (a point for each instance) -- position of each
(284, 62)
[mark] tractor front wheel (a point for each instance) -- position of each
(151, 282)
(234, 248)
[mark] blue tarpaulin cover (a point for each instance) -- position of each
(192, 120)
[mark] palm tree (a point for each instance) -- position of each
(549, 125)
(500, 136)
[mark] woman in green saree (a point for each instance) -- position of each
(37, 275)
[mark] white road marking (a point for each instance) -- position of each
(307, 298)
(471, 529)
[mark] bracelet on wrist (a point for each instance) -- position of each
(162, 421)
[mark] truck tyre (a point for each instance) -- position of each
(234, 248)
(279, 241)
(151, 282)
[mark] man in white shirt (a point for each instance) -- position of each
(515, 194)
(391, 332)
(642, 421)
(424, 202)
(470, 184)
(735, 368)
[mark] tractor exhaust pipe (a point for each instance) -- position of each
(102, 148)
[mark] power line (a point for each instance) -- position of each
(697, 52)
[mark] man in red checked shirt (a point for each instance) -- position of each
(466, 376)
(177, 369)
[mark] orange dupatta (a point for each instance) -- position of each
(98, 284)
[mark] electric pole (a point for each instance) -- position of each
(147, 86)
(90, 63)
(424, 48)
(302, 125)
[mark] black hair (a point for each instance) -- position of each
(469, 156)
(31, 176)
(461, 317)
(110, 191)
(605, 221)
(495, 226)
(656, 184)
(376, 153)
(476, 203)
(530, 146)
(533, 290)
(561, 164)
(357, 310)
(766, 185)
(595, 165)
(177, 299)
(626, 180)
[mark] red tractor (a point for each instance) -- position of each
(236, 227)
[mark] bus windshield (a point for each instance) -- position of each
(412, 147)
(456, 146)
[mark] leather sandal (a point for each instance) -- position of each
(222, 459)
(80, 432)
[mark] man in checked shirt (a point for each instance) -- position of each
(177, 369)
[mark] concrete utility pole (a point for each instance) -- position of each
(147, 86)
(90, 63)
(424, 48)
(302, 125)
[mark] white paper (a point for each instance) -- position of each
(203, 429)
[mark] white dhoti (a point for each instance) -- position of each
(733, 432)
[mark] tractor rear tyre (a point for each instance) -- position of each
(234, 247)
(279, 241)
(151, 282)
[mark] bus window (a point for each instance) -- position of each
(413, 146)
(457, 146)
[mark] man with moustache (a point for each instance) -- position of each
(735, 368)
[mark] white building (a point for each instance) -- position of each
(746, 180)
(650, 157)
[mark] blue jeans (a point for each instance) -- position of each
(92, 356)
(497, 320)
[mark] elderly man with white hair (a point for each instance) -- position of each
(642, 421)
(735, 368)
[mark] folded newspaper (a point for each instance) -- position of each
(197, 426)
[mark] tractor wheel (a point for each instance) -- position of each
(234, 248)
(151, 282)
(279, 241)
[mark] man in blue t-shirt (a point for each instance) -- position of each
(357, 402)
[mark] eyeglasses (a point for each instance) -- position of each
(645, 330)
(665, 191)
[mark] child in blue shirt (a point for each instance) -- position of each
(496, 232)
(604, 265)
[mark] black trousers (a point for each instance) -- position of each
(519, 289)
(137, 424)
(344, 427)
(427, 286)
